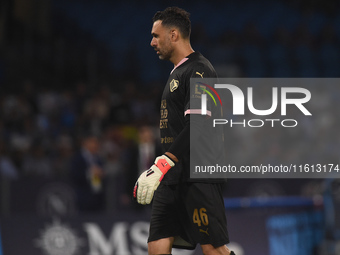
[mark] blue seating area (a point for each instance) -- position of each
(124, 27)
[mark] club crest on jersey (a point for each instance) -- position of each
(174, 85)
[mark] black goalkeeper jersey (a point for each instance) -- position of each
(175, 105)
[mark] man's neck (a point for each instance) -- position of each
(181, 52)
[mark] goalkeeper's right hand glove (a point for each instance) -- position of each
(149, 180)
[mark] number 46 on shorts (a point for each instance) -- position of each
(200, 217)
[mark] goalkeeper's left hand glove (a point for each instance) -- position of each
(149, 180)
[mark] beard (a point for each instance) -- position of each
(166, 52)
(164, 55)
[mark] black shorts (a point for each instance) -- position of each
(191, 212)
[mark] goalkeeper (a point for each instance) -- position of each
(185, 212)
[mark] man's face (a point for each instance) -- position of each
(161, 40)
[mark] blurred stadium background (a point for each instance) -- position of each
(77, 73)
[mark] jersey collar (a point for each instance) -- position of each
(192, 55)
(180, 62)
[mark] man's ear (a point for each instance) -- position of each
(174, 35)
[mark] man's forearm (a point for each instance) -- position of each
(171, 156)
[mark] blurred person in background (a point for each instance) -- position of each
(141, 154)
(7, 167)
(112, 150)
(97, 110)
(87, 176)
(146, 149)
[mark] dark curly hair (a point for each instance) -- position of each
(175, 17)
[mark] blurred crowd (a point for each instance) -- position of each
(43, 131)
(70, 101)
(100, 141)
